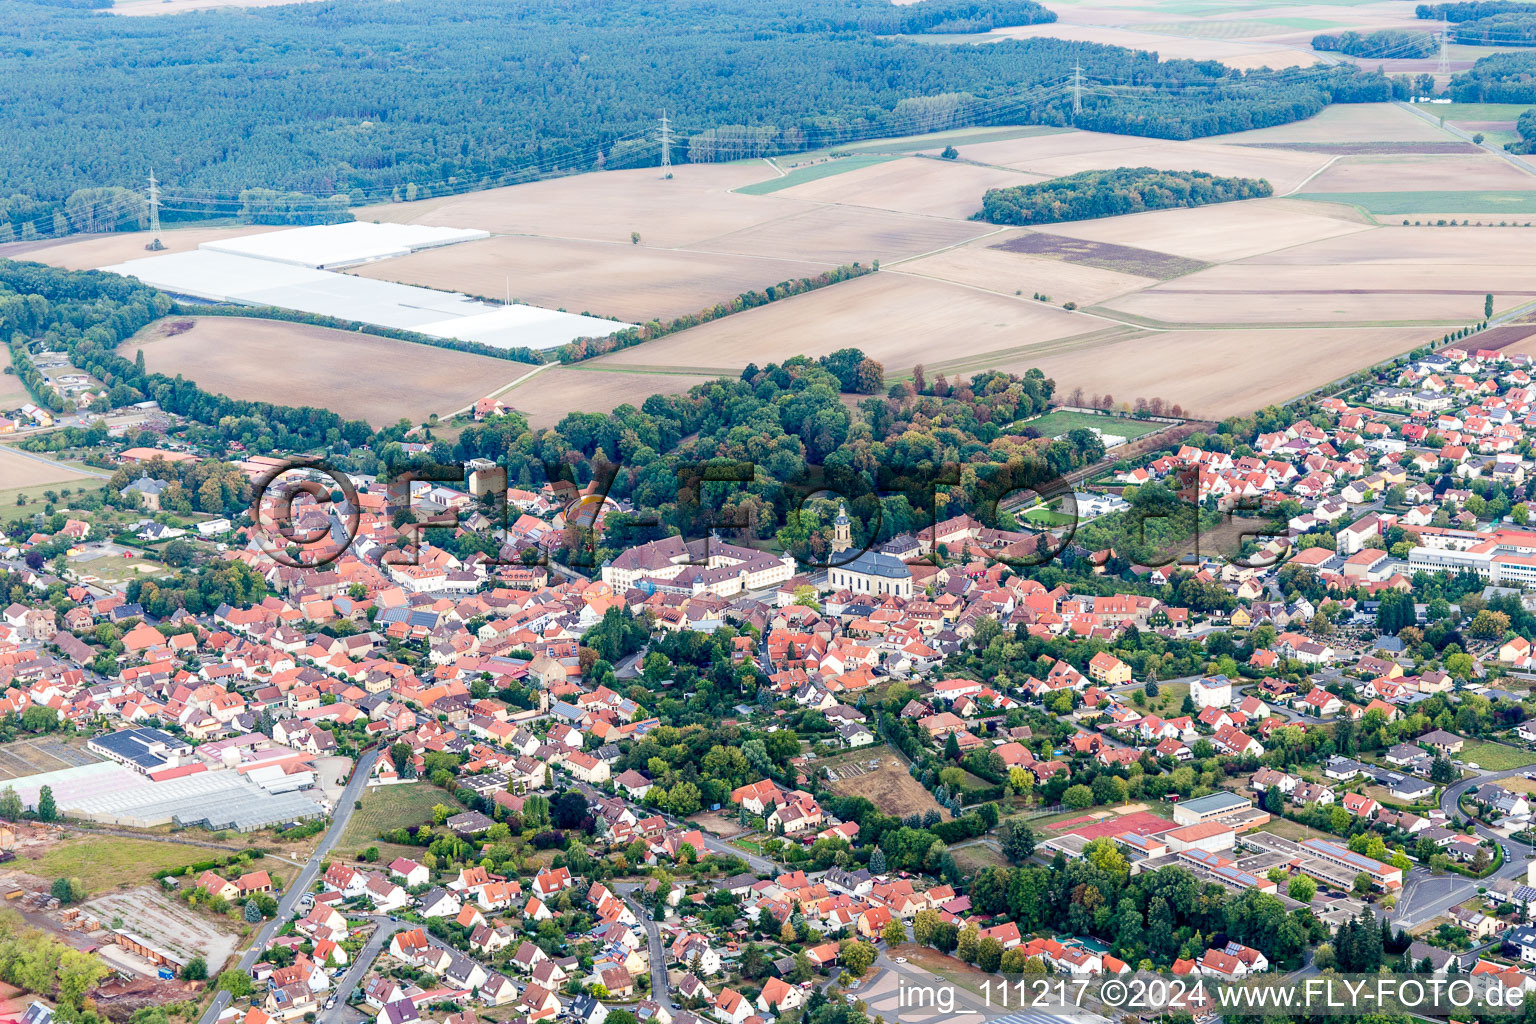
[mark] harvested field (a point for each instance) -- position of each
(921, 185)
(1228, 231)
(1361, 293)
(548, 397)
(1347, 122)
(87, 252)
(633, 283)
(1371, 148)
(1121, 259)
(1235, 54)
(1411, 246)
(888, 787)
(13, 393)
(895, 318)
(18, 469)
(845, 234)
(42, 754)
(1054, 155)
(1478, 172)
(1212, 373)
(297, 364)
(1000, 268)
(697, 203)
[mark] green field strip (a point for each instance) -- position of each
(815, 172)
(1389, 203)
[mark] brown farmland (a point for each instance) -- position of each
(1122, 259)
(898, 319)
(359, 376)
(618, 279)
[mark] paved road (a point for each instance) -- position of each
(385, 928)
(658, 951)
(1426, 895)
(300, 885)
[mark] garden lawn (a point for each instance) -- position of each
(1496, 757)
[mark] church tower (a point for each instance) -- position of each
(842, 539)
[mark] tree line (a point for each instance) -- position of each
(1394, 43)
(1499, 78)
(1110, 193)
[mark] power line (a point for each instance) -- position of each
(154, 204)
(1444, 66)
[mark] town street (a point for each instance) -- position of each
(300, 885)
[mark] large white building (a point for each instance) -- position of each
(705, 566)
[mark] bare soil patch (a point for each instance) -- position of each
(359, 376)
(1509, 336)
(1123, 259)
(889, 788)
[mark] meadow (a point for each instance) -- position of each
(1059, 421)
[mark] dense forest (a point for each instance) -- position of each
(1501, 30)
(1526, 127)
(1486, 22)
(1112, 192)
(382, 99)
(1472, 10)
(1501, 78)
(1393, 43)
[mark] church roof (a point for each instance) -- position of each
(877, 563)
